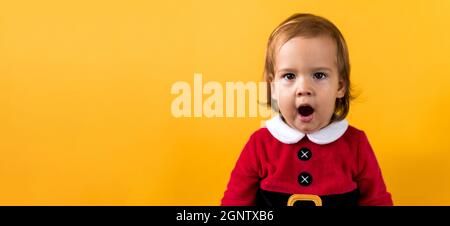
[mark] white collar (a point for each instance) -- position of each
(288, 135)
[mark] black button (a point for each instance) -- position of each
(304, 154)
(304, 179)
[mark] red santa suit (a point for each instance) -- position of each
(335, 163)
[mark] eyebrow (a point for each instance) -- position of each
(312, 69)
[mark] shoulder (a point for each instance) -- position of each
(261, 134)
(262, 138)
(355, 137)
(354, 133)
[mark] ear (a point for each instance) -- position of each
(342, 88)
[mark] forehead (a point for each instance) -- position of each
(307, 52)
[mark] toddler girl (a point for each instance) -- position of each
(308, 154)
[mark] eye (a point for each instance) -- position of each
(288, 76)
(319, 75)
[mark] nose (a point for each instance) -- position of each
(304, 93)
(304, 87)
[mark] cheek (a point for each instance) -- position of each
(328, 102)
(286, 92)
(284, 99)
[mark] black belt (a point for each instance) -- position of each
(268, 198)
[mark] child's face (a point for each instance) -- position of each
(307, 82)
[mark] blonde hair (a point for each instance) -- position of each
(308, 25)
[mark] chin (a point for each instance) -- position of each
(305, 128)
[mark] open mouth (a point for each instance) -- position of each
(305, 110)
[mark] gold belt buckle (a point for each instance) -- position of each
(304, 197)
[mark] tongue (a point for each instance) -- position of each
(305, 110)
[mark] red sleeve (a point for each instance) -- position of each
(369, 178)
(244, 181)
